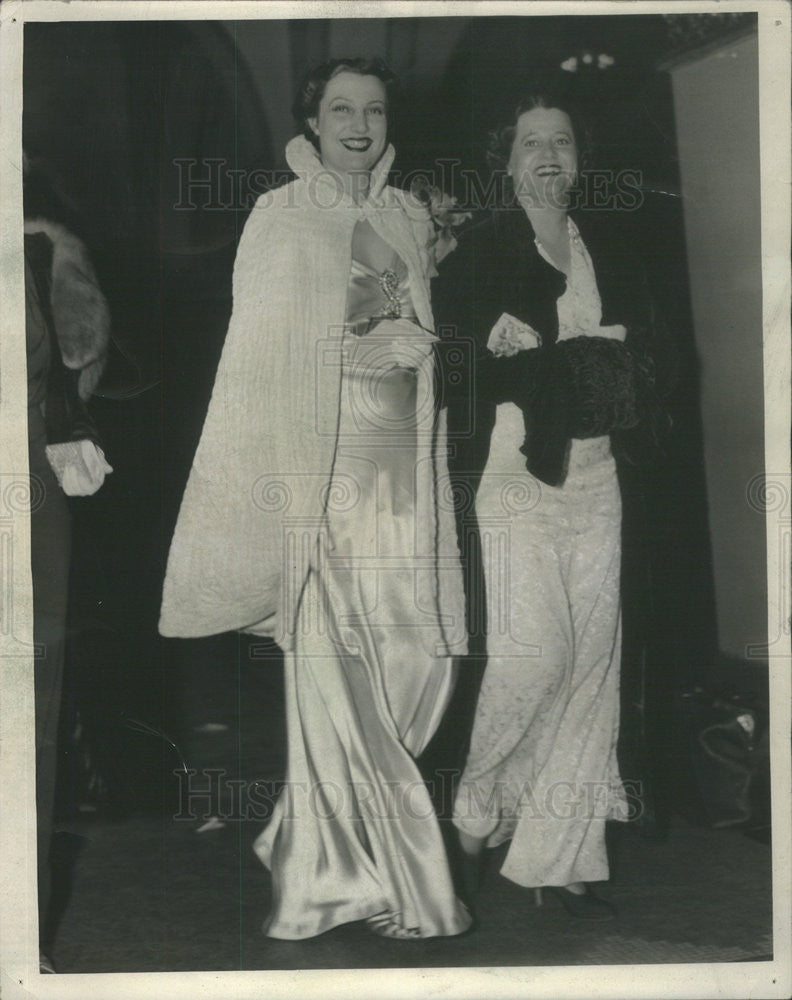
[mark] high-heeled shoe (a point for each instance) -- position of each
(584, 906)
(386, 925)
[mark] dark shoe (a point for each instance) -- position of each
(469, 867)
(584, 906)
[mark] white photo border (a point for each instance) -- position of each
(18, 920)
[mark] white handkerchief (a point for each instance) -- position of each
(510, 335)
(80, 466)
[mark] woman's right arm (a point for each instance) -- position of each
(466, 306)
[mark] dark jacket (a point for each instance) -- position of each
(497, 269)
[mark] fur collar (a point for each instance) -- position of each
(79, 309)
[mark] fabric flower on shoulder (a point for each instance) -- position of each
(442, 214)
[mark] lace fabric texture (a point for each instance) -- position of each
(542, 769)
(580, 307)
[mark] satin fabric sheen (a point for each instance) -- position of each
(354, 832)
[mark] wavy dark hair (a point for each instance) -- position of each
(552, 93)
(312, 88)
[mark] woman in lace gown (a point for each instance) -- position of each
(563, 383)
(312, 515)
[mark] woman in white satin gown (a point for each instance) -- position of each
(369, 603)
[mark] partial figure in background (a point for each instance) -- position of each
(311, 515)
(67, 336)
(564, 405)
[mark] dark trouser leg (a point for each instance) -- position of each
(50, 546)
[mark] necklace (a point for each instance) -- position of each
(574, 242)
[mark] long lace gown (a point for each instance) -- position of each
(354, 833)
(542, 767)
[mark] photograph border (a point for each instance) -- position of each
(18, 918)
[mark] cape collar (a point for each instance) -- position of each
(304, 160)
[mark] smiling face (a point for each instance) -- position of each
(351, 123)
(543, 159)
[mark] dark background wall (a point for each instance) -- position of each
(116, 115)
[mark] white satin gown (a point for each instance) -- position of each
(354, 832)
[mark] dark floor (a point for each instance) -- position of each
(145, 886)
(153, 897)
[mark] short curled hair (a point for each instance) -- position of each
(311, 90)
(552, 94)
